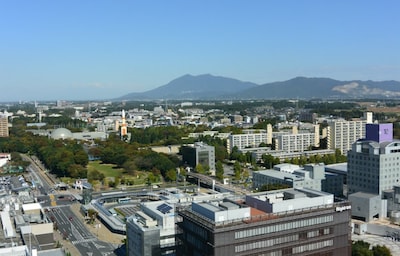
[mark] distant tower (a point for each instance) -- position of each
(124, 129)
(40, 116)
(3, 126)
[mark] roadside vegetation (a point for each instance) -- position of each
(361, 248)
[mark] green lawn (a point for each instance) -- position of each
(108, 170)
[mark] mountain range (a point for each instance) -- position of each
(208, 87)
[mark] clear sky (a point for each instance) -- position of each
(99, 49)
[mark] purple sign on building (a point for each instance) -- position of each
(379, 132)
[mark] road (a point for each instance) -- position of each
(75, 231)
(43, 182)
(59, 212)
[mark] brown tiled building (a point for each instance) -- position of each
(278, 223)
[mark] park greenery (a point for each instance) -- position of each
(361, 248)
(133, 162)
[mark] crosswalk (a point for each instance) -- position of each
(91, 243)
(87, 240)
(52, 200)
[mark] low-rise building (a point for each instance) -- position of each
(311, 176)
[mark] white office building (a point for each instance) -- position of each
(374, 162)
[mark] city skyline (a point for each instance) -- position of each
(100, 50)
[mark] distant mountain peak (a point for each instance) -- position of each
(204, 86)
(207, 86)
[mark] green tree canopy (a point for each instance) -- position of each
(219, 171)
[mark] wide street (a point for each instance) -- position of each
(43, 183)
(57, 207)
(72, 229)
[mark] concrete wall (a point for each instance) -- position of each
(365, 207)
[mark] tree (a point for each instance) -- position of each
(379, 250)
(263, 144)
(220, 152)
(270, 161)
(274, 186)
(237, 169)
(130, 167)
(77, 171)
(249, 157)
(339, 157)
(170, 175)
(235, 154)
(219, 170)
(81, 158)
(92, 214)
(182, 171)
(361, 248)
(95, 175)
(200, 169)
(246, 174)
(152, 178)
(117, 181)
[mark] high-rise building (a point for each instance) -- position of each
(124, 128)
(296, 142)
(281, 222)
(373, 163)
(341, 134)
(4, 126)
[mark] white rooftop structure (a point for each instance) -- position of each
(15, 251)
(293, 199)
(221, 211)
(31, 207)
(288, 168)
(8, 228)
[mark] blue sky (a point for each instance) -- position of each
(97, 49)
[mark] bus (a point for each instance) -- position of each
(124, 200)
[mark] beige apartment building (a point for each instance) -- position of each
(4, 126)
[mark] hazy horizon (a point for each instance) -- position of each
(74, 50)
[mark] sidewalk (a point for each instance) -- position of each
(102, 233)
(66, 244)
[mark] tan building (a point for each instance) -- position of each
(4, 126)
(342, 134)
